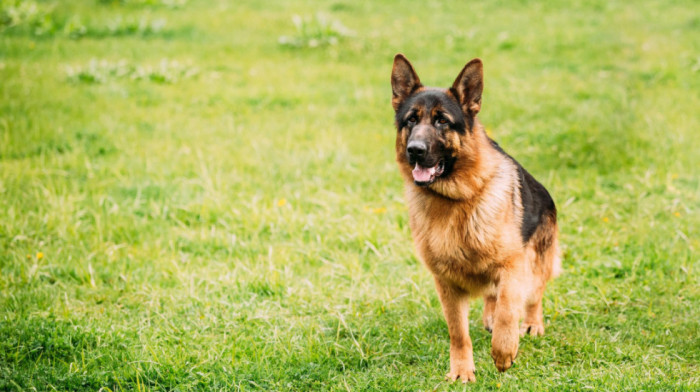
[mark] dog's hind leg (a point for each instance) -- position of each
(533, 324)
(545, 264)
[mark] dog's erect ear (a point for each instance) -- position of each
(404, 81)
(468, 87)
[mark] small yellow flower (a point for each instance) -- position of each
(39, 255)
(379, 210)
(605, 219)
(29, 256)
(674, 176)
(281, 202)
(498, 385)
(677, 214)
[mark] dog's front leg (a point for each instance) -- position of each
(455, 306)
(505, 339)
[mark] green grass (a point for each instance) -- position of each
(209, 208)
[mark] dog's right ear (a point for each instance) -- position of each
(404, 81)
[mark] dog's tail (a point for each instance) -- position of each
(556, 259)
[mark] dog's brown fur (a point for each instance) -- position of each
(466, 229)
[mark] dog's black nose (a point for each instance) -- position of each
(416, 149)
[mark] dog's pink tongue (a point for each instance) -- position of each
(423, 174)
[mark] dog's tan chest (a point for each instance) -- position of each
(455, 243)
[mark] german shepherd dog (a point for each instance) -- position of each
(480, 222)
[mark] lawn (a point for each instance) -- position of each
(202, 195)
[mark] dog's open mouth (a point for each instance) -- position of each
(426, 175)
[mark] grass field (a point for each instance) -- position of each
(202, 195)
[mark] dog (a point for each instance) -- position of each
(480, 222)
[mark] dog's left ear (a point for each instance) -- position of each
(404, 81)
(468, 87)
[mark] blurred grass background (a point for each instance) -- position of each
(202, 195)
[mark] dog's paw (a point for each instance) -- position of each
(532, 329)
(503, 361)
(461, 369)
(503, 351)
(465, 376)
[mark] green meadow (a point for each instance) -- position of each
(202, 195)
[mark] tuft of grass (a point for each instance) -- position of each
(173, 4)
(316, 31)
(135, 26)
(231, 217)
(101, 71)
(26, 15)
(40, 20)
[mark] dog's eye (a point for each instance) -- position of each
(441, 121)
(412, 120)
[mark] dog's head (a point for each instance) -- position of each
(434, 125)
